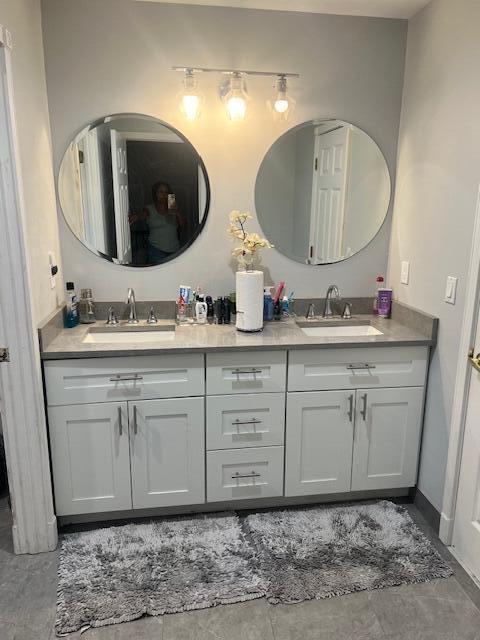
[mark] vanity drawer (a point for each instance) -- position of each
(131, 378)
(246, 372)
(241, 474)
(252, 420)
(328, 369)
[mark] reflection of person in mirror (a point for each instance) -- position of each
(163, 220)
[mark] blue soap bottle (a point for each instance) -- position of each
(267, 303)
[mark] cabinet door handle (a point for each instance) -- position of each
(246, 475)
(363, 411)
(120, 378)
(360, 365)
(135, 424)
(237, 372)
(350, 407)
(238, 422)
(120, 425)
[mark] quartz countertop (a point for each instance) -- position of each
(281, 335)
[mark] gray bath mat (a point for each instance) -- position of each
(328, 551)
(122, 573)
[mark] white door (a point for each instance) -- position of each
(167, 452)
(329, 188)
(90, 457)
(466, 533)
(387, 437)
(319, 439)
(120, 197)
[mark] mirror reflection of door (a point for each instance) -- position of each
(118, 145)
(330, 180)
(322, 192)
(133, 190)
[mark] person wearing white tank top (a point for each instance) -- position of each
(163, 224)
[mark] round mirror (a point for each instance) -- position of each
(133, 190)
(322, 192)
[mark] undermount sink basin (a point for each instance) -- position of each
(130, 334)
(341, 331)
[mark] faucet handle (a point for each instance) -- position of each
(152, 318)
(112, 318)
(347, 311)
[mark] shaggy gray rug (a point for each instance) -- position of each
(122, 573)
(329, 551)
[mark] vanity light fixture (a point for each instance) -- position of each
(234, 93)
(190, 98)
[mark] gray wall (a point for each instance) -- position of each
(437, 185)
(23, 19)
(107, 56)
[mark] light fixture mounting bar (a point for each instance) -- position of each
(247, 72)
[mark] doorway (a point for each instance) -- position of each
(466, 532)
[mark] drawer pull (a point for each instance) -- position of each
(246, 475)
(360, 365)
(120, 378)
(237, 372)
(238, 422)
(135, 424)
(363, 411)
(120, 425)
(350, 407)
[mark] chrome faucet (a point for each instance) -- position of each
(132, 315)
(327, 310)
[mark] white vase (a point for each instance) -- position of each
(249, 300)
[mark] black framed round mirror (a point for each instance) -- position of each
(133, 190)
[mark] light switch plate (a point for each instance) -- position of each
(52, 266)
(451, 290)
(405, 272)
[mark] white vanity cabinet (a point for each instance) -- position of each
(145, 432)
(364, 437)
(129, 453)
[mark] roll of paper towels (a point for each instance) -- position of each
(249, 300)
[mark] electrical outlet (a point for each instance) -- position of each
(451, 290)
(405, 272)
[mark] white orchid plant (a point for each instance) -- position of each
(250, 243)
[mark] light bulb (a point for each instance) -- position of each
(281, 105)
(191, 106)
(236, 108)
(236, 98)
(190, 98)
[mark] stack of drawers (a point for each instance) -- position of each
(245, 425)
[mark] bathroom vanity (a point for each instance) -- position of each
(216, 418)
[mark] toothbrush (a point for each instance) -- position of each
(281, 286)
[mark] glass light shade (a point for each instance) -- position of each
(190, 98)
(236, 99)
(282, 105)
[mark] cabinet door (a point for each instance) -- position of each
(167, 452)
(90, 458)
(319, 437)
(387, 438)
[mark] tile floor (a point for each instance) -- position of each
(439, 610)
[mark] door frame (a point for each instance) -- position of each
(462, 383)
(21, 392)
